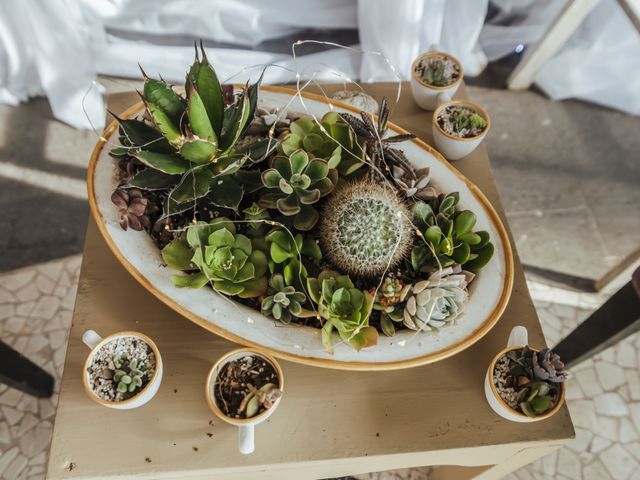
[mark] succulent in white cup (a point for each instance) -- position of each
(524, 384)
(244, 388)
(123, 370)
(458, 127)
(434, 73)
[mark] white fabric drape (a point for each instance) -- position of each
(58, 48)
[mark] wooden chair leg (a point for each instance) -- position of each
(618, 318)
(19, 372)
(564, 25)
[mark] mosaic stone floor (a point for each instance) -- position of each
(36, 304)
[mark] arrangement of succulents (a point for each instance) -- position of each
(322, 222)
(530, 381)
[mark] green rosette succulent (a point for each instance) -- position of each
(343, 308)
(448, 237)
(331, 139)
(284, 302)
(222, 257)
(297, 182)
(437, 301)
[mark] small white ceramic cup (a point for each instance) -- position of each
(425, 95)
(246, 426)
(518, 338)
(94, 341)
(451, 146)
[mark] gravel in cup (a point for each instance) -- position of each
(500, 374)
(438, 71)
(127, 350)
(461, 121)
(246, 387)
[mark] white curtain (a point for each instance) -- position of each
(58, 48)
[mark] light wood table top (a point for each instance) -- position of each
(330, 422)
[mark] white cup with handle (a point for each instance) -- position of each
(246, 426)
(518, 338)
(95, 342)
(425, 94)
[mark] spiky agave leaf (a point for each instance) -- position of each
(202, 76)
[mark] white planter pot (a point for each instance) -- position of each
(451, 146)
(95, 342)
(518, 338)
(246, 426)
(425, 95)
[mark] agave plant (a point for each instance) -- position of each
(188, 140)
(437, 301)
(448, 237)
(331, 139)
(284, 302)
(221, 257)
(295, 183)
(343, 308)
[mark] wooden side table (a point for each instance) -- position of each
(330, 423)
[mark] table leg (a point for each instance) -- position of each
(19, 372)
(618, 318)
(520, 459)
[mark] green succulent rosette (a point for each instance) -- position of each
(222, 257)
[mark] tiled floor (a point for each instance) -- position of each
(604, 395)
(36, 304)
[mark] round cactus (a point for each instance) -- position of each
(366, 229)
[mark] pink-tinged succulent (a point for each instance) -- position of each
(132, 206)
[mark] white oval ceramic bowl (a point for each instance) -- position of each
(246, 426)
(452, 147)
(95, 342)
(137, 252)
(425, 95)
